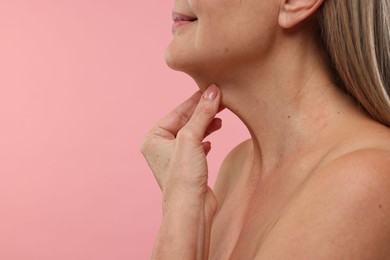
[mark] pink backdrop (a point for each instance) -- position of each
(81, 81)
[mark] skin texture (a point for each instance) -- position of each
(311, 183)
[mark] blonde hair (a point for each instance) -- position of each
(356, 38)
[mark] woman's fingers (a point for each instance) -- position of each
(176, 119)
(203, 115)
(215, 125)
(206, 147)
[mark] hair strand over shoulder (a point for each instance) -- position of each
(356, 36)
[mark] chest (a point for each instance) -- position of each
(245, 218)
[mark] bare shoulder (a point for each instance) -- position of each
(371, 164)
(362, 171)
(360, 163)
(343, 212)
(229, 167)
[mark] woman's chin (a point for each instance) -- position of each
(178, 62)
(198, 69)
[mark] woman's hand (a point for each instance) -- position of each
(175, 151)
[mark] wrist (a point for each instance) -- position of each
(190, 204)
(182, 204)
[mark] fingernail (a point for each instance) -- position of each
(211, 93)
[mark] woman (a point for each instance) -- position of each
(310, 80)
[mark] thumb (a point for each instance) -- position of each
(204, 113)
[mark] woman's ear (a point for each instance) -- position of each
(293, 12)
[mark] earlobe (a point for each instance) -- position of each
(292, 12)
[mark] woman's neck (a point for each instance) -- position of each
(288, 106)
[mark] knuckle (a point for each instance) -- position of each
(186, 134)
(142, 148)
(146, 142)
(144, 145)
(181, 116)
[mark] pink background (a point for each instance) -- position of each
(81, 81)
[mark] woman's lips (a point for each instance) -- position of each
(181, 20)
(182, 17)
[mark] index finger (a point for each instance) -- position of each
(204, 114)
(178, 117)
